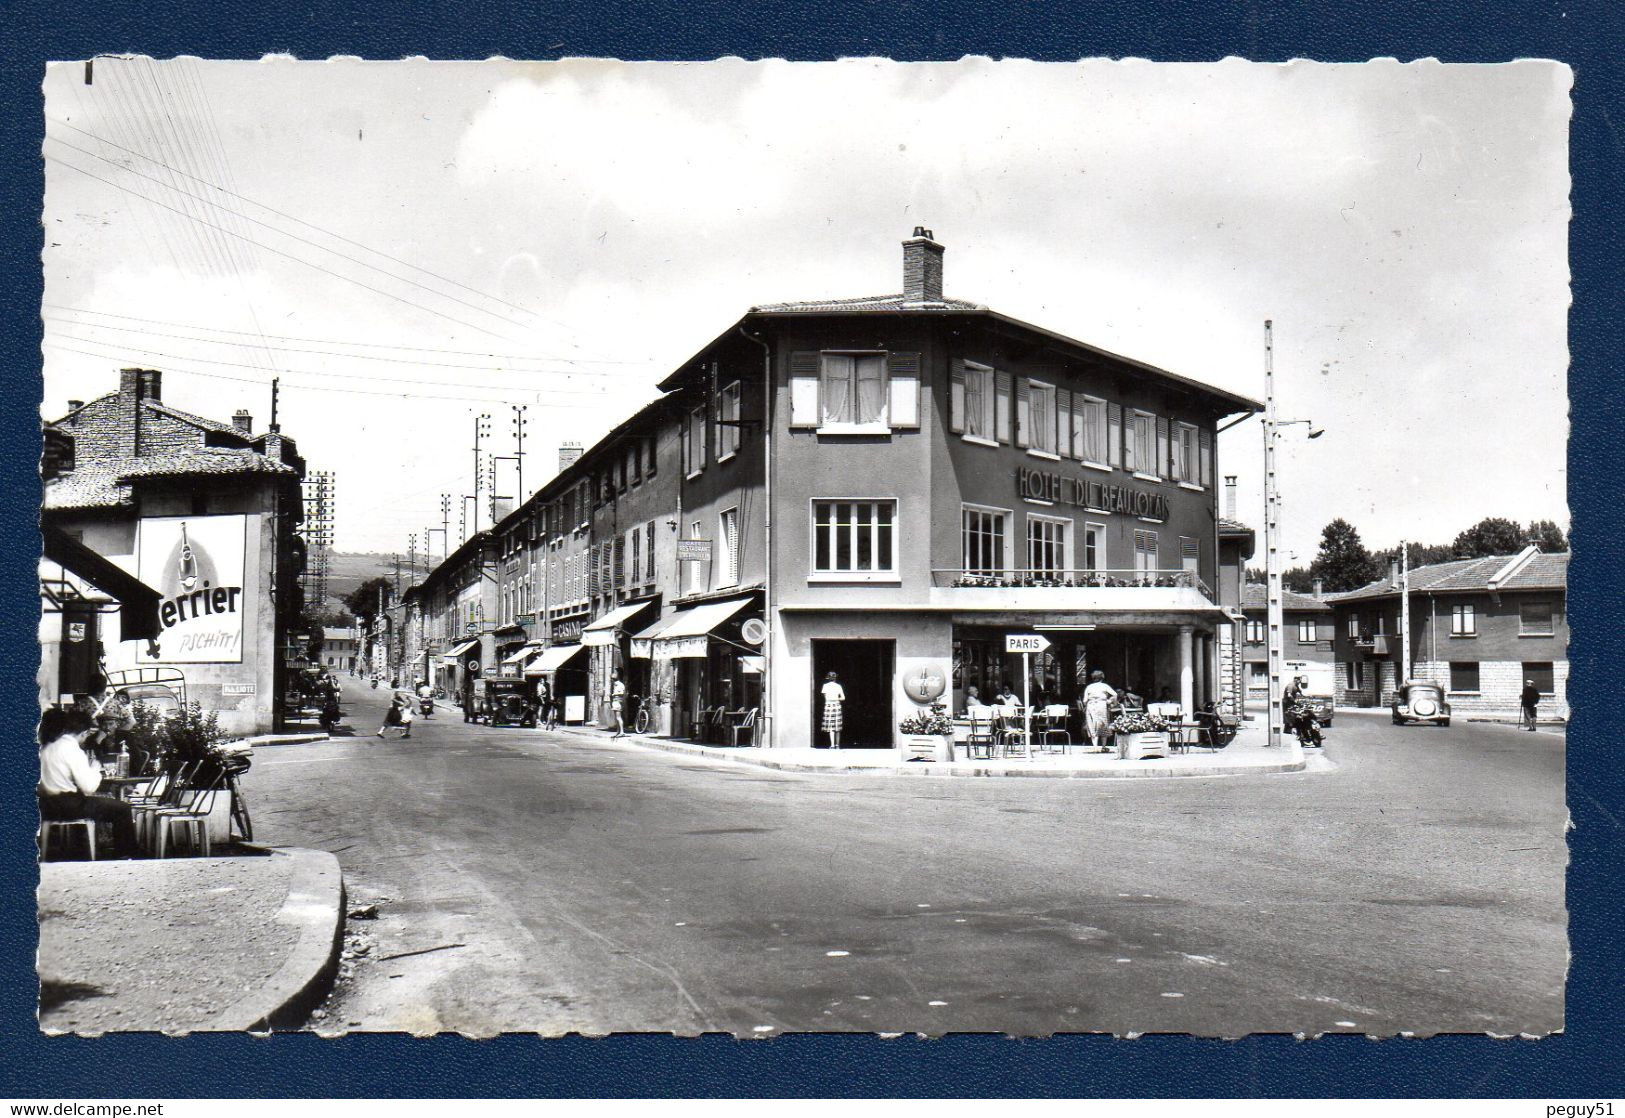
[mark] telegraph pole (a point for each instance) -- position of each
(519, 422)
(445, 526)
(482, 429)
(1272, 540)
(1404, 614)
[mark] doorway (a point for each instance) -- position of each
(866, 669)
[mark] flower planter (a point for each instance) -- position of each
(926, 747)
(1135, 747)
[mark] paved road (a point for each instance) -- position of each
(554, 883)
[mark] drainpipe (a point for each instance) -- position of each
(765, 734)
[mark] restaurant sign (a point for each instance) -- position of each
(1043, 485)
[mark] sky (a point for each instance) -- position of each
(412, 244)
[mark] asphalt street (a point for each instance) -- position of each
(552, 883)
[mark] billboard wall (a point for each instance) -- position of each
(196, 565)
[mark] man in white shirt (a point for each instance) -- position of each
(68, 780)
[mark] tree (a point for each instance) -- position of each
(363, 600)
(1547, 536)
(1494, 535)
(1343, 562)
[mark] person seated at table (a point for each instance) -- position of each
(68, 780)
(973, 697)
(1006, 697)
(1130, 698)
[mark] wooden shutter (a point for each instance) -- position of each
(1114, 434)
(956, 396)
(1204, 454)
(1063, 422)
(1130, 453)
(804, 388)
(1002, 408)
(1161, 468)
(1024, 412)
(903, 375)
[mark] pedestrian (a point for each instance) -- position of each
(68, 780)
(544, 703)
(398, 715)
(1529, 700)
(834, 709)
(1098, 698)
(617, 705)
(426, 697)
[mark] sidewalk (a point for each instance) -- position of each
(188, 944)
(1247, 755)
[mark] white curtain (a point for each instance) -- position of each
(975, 393)
(835, 402)
(871, 389)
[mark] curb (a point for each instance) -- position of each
(922, 770)
(285, 739)
(315, 903)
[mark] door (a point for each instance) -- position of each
(866, 671)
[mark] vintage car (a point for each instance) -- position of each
(504, 702)
(1421, 702)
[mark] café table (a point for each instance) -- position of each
(124, 786)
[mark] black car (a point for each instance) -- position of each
(1421, 702)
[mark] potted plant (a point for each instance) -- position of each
(190, 737)
(927, 735)
(1139, 735)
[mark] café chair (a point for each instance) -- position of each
(982, 740)
(60, 829)
(192, 820)
(1054, 726)
(746, 725)
(1012, 733)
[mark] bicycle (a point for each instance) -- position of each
(233, 765)
(644, 716)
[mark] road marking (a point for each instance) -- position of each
(936, 1003)
(762, 1029)
(1122, 960)
(837, 954)
(1345, 1024)
(1167, 994)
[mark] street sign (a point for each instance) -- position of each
(472, 627)
(1025, 642)
(753, 631)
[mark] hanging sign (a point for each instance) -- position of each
(693, 551)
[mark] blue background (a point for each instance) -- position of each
(1583, 1063)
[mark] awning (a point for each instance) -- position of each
(689, 634)
(552, 659)
(457, 650)
(138, 602)
(530, 649)
(643, 643)
(603, 630)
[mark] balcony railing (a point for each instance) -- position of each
(1076, 579)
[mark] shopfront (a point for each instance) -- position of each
(459, 668)
(564, 667)
(609, 637)
(699, 664)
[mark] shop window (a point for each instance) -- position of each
(1539, 672)
(1089, 429)
(1046, 547)
(1145, 550)
(982, 534)
(1255, 631)
(1464, 676)
(854, 537)
(728, 422)
(1094, 547)
(728, 543)
(1535, 619)
(852, 390)
(1463, 623)
(1306, 630)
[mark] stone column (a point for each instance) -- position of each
(1187, 657)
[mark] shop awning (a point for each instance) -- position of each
(643, 643)
(456, 651)
(603, 630)
(689, 634)
(138, 602)
(552, 659)
(518, 657)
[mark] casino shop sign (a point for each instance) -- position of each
(1086, 493)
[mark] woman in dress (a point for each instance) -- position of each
(834, 700)
(1098, 698)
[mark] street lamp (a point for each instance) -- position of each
(1272, 533)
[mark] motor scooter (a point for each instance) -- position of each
(426, 706)
(1306, 724)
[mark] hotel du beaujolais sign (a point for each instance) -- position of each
(1044, 485)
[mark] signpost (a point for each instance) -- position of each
(1026, 644)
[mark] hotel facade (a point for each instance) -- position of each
(882, 487)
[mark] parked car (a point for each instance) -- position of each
(1421, 702)
(503, 702)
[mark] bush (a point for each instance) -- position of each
(934, 722)
(1137, 722)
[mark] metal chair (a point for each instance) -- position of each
(51, 828)
(1012, 733)
(192, 820)
(163, 792)
(1054, 725)
(982, 741)
(746, 724)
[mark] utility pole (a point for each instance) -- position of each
(276, 385)
(1272, 540)
(445, 526)
(519, 422)
(412, 556)
(482, 429)
(1404, 614)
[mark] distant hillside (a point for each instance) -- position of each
(347, 571)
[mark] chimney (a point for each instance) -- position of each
(1393, 573)
(131, 386)
(1320, 589)
(152, 384)
(75, 405)
(569, 455)
(922, 268)
(1230, 497)
(243, 421)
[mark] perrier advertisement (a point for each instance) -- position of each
(196, 565)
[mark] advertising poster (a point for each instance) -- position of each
(196, 565)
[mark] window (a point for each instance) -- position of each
(852, 389)
(982, 540)
(1039, 421)
(1307, 630)
(1258, 674)
(1535, 619)
(649, 552)
(728, 542)
(1046, 547)
(1094, 547)
(1187, 464)
(1354, 626)
(1190, 554)
(695, 578)
(1354, 675)
(1539, 672)
(1089, 429)
(1140, 443)
(1255, 631)
(634, 458)
(637, 552)
(854, 537)
(728, 422)
(977, 414)
(1464, 675)
(1462, 623)
(1145, 550)
(694, 443)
